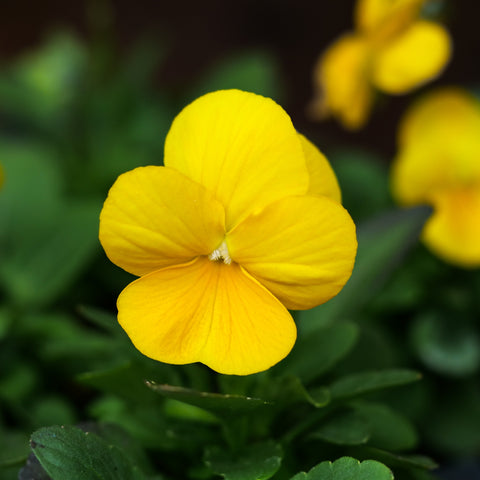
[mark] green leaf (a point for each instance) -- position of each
(398, 460)
(39, 270)
(292, 390)
(382, 244)
(446, 346)
(32, 184)
(389, 429)
(14, 448)
(126, 381)
(102, 318)
(224, 406)
(68, 452)
(364, 181)
(358, 384)
(347, 468)
(346, 427)
(317, 353)
(42, 83)
(255, 462)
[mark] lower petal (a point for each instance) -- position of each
(208, 312)
(416, 56)
(453, 231)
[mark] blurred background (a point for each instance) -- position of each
(192, 39)
(88, 90)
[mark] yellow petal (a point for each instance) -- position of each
(447, 112)
(439, 147)
(242, 147)
(385, 18)
(155, 216)
(301, 248)
(322, 177)
(341, 80)
(412, 58)
(453, 231)
(206, 312)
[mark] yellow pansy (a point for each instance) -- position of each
(392, 49)
(241, 223)
(439, 164)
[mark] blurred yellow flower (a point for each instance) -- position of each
(2, 176)
(241, 223)
(439, 164)
(392, 49)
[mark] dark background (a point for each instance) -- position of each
(199, 34)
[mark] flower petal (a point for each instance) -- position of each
(412, 58)
(447, 112)
(301, 248)
(453, 231)
(208, 312)
(322, 177)
(342, 83)
(385, 18)
(439, 147)
(242, 147)
(155, 216)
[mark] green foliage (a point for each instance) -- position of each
(347, 468)
(255, 462)
(70, 452)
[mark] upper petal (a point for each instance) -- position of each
(242, 147)
(439, 147)
(453, 231)
(301, 248)
(412, 58)
(155, 216)
(207, 312)
(322, 177)
(448, 112)
(341, 79)
(385, 18)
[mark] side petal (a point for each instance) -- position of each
(301, 248)
(341, 81)
(155, 216)
(206, 312)
(453, 231)
(412, 58)
(242, 147)
(322, 177)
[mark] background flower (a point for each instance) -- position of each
(438, 164)
(392, 49)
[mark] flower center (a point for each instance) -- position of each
(221, 254)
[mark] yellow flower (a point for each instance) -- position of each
(241, 223)
(392, 49)
(439, 164)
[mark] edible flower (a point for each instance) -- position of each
(243, 222)
(438, 163)
(392, 49)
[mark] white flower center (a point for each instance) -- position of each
(221, 254)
